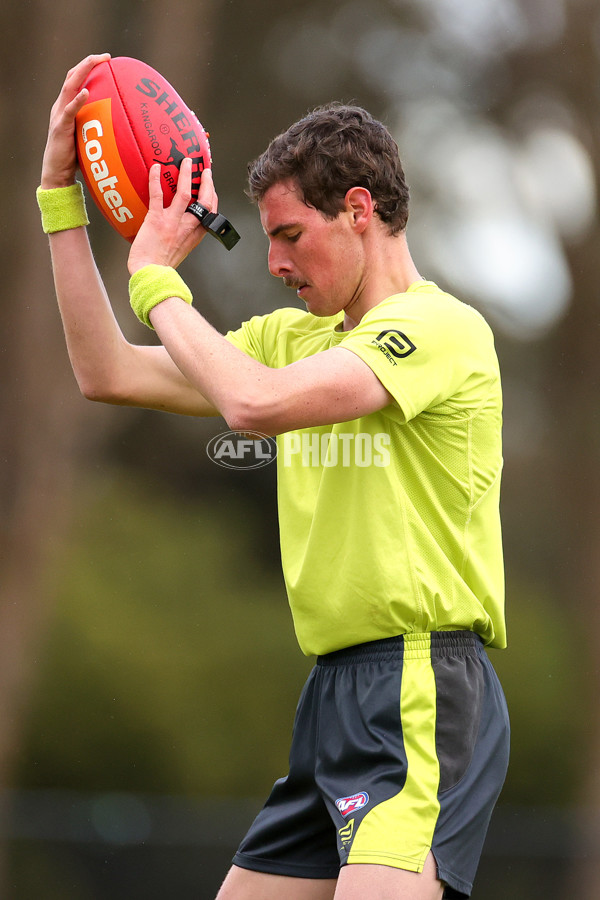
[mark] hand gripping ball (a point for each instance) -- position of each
(133, 119)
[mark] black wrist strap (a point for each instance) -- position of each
(216, 224)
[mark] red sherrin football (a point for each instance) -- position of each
(134, 118)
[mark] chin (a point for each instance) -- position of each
(321, 310)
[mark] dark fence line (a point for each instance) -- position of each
(91, 846)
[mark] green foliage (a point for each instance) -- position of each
(171, 664)
(543, 676)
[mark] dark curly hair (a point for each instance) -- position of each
(327, 152)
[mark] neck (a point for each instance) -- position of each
(390, 270)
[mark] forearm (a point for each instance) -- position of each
(94, 340)
(331, 386)
(107, 367)
(239, 387)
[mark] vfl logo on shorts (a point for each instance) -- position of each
(347, 805)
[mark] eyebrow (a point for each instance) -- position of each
(280, 228)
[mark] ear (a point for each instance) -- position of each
(359, 204)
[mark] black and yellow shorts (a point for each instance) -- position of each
(400, 746)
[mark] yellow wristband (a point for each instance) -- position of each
(152, 284)
(62, 208)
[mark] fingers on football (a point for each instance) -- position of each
(207, 195)
(72, 94)
(154, 187)
(77, 75)
(183, 195)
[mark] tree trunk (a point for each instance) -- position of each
(42, 413)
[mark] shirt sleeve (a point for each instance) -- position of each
(249, 338)
(423, 348)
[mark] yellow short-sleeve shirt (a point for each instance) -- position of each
(390, 523)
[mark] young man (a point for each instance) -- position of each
(385, 397)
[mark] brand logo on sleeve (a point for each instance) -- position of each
(394, 344)
(347, 805)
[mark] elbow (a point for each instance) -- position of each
(97, 390)
(246, 415)
(91, 391)
(96, 396)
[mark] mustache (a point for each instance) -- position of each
(293, 283)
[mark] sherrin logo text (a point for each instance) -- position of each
(180, 120)
(347, 805)
(91, 132)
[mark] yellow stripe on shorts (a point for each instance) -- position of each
(398, 832)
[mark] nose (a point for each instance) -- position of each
(279, 265)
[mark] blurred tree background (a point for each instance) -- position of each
(148, 669)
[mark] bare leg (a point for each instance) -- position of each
(243, 884)
(386, 883)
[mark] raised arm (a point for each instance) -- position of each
(329, 387)
(107, 367)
